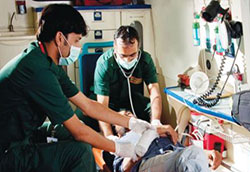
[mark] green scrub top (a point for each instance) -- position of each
(109, 80)
(32, 87)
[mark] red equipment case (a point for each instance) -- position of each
(101, 2)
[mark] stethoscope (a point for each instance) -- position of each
(127, 77)
(53, 131)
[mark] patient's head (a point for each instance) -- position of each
(119, 129)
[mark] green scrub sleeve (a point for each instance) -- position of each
(68, 87)
(45, 90)
(101, 78)
(150, 75)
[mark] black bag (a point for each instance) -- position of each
(241, 108)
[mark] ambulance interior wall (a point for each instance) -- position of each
(172, 23)
(21, 23)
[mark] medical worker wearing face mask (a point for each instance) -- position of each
(33, 87)
(119, 77)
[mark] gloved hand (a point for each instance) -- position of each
(112, 137)
(156, 122)
(138, 125)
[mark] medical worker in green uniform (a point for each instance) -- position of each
(119, 76)
(33, 87)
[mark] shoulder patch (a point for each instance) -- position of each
(135, 80)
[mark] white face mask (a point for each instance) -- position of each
(127, 65)
(73, 55)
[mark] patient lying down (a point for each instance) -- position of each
(158, 151)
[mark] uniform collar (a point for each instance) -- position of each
(113, 60)
(43, 50)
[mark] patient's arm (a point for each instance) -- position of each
(127, 164)
(214, 158)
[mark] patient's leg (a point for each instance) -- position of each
(192, 159)
(157, 163)
(189, 159)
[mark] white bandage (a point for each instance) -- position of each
(147, 137)
(124, 149)
(133, 138)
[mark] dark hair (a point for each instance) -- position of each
(60, 17)
(127, 34)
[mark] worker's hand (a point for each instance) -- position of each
(138, 125)
(112, 137)
(214, 158)
(167, 130)
(124, 149)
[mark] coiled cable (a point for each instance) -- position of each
(202, 100)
